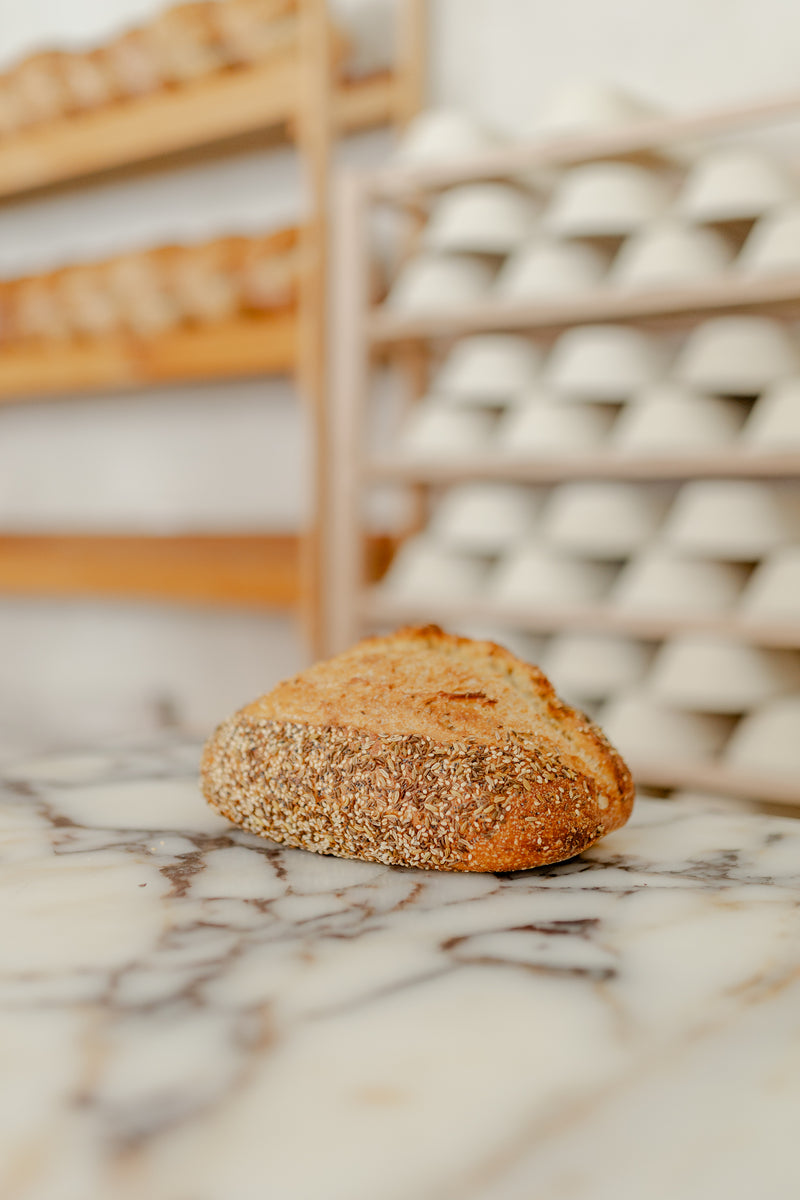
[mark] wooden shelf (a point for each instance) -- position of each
(728, 294)
(379, 607)
(716, 777)
(246, 346)
(648, 136)
(253, 570)
(230, 104)
(249, 569)
(725, 465)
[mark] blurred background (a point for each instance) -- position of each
(192, 402)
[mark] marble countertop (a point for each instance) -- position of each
(189, 1013)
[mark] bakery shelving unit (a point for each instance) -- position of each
(250, 100)
(370, 335)
(299, 93)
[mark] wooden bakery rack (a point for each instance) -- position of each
(298, 92)
(370, 335)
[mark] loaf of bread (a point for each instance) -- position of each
(423, 750)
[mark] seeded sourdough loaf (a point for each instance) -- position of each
(422, 750)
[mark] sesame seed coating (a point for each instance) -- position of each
(404, 799)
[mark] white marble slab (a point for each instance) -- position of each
(188, 1013)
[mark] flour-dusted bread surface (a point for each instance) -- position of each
(424, 750)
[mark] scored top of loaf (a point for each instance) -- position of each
(450, 689)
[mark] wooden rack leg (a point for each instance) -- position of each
(412, 362)
(350, 361)
(411, 59)
(315, 136)
(333, 552)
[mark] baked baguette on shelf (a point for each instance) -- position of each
(146, 292)
(132, 64)
(138, 284)
(11, 115)
(205, 280)
(269, 280)
(88, 79)
(253, 30)
(39, 88)
(186, 42)
(420, 749)
(35, 310)
(87, 301)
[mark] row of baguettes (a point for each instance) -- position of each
(153, 290)
(180, 44)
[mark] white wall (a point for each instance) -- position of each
(231, 456)
(500, 57)
(503, 57)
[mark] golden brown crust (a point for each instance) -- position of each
(420, 749)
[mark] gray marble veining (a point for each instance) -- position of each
(190, 1013)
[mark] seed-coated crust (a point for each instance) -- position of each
(420, 749)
